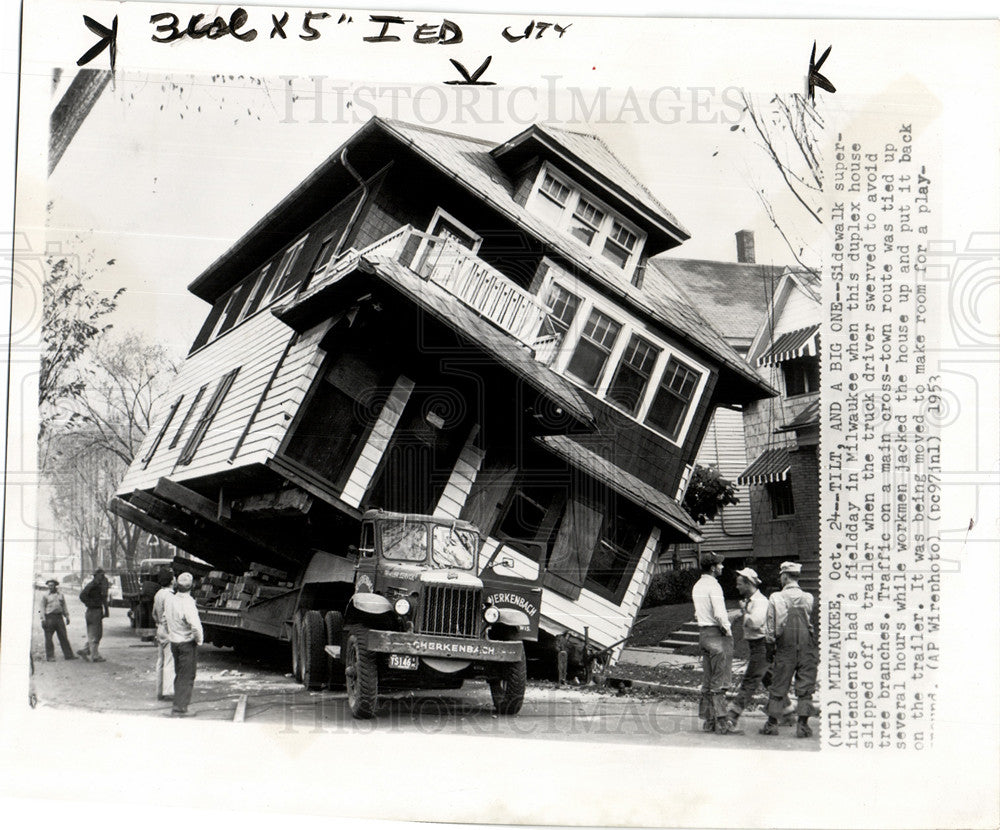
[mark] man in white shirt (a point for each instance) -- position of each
(184, 631)
(788, 629)
(753, 606)
(715, 638)
(164, 654)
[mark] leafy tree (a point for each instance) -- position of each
(707, 493)
(73, 315)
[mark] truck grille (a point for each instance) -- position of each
(451, 610)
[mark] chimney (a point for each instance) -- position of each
(744, 247)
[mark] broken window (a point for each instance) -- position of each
(618, 549)
(528, 524)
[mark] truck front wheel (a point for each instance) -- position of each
(362, 679)
(507, 687)
(296, 646)
(334, 623)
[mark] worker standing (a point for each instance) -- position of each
(95, 597)
(753, 607)
(164, 654)
(715, 639)
(789, 632)
(55, 618)
(185, 634)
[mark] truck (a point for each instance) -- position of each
(411, 606)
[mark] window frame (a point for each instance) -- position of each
(802, 364)
(148, 457)
(631, 325)
(571, 205)
(595, 344)
(207, 416)
(775, 502)
(187, 417)
(286, 265)
(631, 558)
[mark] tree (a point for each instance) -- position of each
(73, 315)
(707, 493)
(123, 378)
(787, 128)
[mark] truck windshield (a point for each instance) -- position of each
(404, 540)
(454, 548)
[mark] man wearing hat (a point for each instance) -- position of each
(183, 625)
(754, 609)
(788, 630)
(715, 639)
(95, 596)
(55, 618)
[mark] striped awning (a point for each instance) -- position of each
(770, 466)
(792, 344)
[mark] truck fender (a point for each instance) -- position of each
(514, 617)
(371, 603)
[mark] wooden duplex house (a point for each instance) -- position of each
(433, 323)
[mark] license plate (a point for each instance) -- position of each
(404, 661)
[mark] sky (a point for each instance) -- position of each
(168, 171)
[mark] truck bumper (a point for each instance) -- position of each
(428, 645)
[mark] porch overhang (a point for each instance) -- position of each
(622, 482)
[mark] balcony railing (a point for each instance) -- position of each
(491, 294)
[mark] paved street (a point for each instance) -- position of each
(125, 683)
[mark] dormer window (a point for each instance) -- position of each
(572, 210)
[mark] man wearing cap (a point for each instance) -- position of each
(715, 639)
(754, 609)
(95, 596)
(788, 630)
(180, 614)
(55, 618)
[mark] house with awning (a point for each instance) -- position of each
(433, 323)
(782, 433)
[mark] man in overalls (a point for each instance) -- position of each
(788, 632)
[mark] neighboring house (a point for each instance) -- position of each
(431, 323)
(734, 297)
(782, 433)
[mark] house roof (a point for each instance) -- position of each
(770, 466)
(599, 162)
(733, 296)
(623, 482)
(450, 310)
(465, 160)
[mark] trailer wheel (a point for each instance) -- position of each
(362, 679)
(507, 687)
(334, 624)
(296, 646)
(311, 653)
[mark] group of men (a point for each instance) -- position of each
(178, 631)
(779, 635)
(55, 618)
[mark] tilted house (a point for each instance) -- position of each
(431, 323)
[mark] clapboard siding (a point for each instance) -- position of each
(799, 310)
(724, 447)
(459, 484)
(361, 476)
(636, 593)
(255, 346)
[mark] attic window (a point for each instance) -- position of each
(574, 211)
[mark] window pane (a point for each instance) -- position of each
(672, 398)
(591, 353)
(632, 377)
(585, 221)
(616, 253)
(563, 305)
(554, 189)
(260, 286)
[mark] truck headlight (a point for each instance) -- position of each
(491, 615)
(402, 606)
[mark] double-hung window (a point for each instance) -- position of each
(586, 221)
(620, 244)
(593, 349)
(628, 386)
(564, 306)
(673, 398)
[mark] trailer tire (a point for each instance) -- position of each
(507, 687)
(312, 655)
(334, 624)
(296, 646)
(362, 679)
